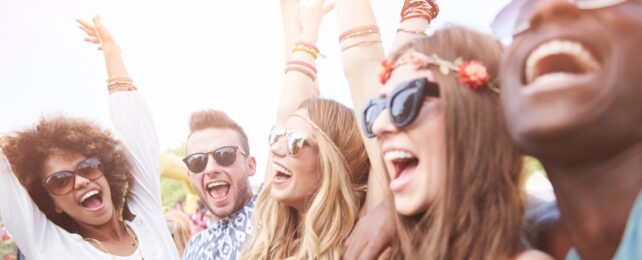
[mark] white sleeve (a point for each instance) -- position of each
(136, 130)
(22, 218)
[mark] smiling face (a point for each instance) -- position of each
(89, 202)
(295, 178)
(415, 155)
(224, 189)
(571, 81)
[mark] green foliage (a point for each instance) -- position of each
(532, 165)
(7, 250)
(172, 191)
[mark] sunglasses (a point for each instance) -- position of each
(403, 104)
(63, 182)
(507, 23)
(224, 156)
(296, 140)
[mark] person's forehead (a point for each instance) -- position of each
(402, 74)
(212, 138)
(296, 123)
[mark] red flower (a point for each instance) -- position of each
(386, 69)
(473, 73)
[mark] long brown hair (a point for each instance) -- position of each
(478, 213)
(278, 233)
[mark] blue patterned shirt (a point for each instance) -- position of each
(223, 239)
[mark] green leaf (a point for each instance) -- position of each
(443, 68)
(458, 61)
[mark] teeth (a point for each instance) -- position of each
(281, 169)
(397, 155)
(554, 47)
(216, 184)
(87, 195)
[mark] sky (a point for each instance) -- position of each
(183, 56)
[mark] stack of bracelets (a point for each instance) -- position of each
(303, 66)
(360, 32)
(116, 84)
(426, 9)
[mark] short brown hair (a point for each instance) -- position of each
(27, 151)
(210, 118)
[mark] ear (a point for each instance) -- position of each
(251, 165)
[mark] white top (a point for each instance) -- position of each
(39, 238)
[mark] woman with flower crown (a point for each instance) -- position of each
(456, 179)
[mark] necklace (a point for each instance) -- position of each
(133, 238)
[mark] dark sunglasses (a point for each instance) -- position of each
(509, 23)
(403, 104)
(224, 156)
(296, 140)
(63, 182)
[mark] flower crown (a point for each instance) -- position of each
(471, 73)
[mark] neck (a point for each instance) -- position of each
(112, 230)
(595, 199)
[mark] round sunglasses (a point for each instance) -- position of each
(224, 156)
(403, 104)
(63, 182)
(295, 139)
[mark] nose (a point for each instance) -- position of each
(80, 182)
(211, 167)
(554, 10)
(382, 124)
(278, 148)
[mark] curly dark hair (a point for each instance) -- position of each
(27, 151)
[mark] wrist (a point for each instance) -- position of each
(310, 36)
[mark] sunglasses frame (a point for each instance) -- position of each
(425, 88)
(302, 139)
(72, 175)
(213, 152)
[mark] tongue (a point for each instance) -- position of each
(220, 192)
(92, 202)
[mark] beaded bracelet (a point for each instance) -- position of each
(119, 78)
(308, 44)
(301, 69)
(305, 49)
(302, 63)
(359, 31)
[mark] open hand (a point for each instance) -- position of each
(97, 33)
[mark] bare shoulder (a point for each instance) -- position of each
(533, 254)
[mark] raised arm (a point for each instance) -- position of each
(131, 118)
(301, 28)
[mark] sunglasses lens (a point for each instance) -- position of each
(225, 156)
(60, 182)
(369, 116)
(405, 105)
(295, 142)
(275, 134)
(90, 169)
(196, 162)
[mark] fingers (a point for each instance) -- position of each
(96, 20)
(87, 28)
(329, 7)
(92, 40)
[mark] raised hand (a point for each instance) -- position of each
(310, 16)
(97, 33)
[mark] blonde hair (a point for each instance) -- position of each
(181, 228)
(278, 233)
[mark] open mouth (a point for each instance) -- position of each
(559, 60)
(282, 173)
(92, 199)
(403, 162)
(218, 189)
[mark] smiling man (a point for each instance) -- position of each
(572, 94)
(219, 167)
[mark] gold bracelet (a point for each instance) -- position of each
(359, 31)
(305, 49)
(119, 78)
(359, 44)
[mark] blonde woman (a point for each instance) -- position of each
(316, 183)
